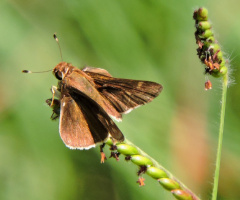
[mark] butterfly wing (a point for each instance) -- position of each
(83, 123)
(123, 94)
(97, 71)
(79, 81)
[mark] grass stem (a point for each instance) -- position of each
(220, 138)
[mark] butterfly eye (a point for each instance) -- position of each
(58, 75)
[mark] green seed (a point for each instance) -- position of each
(109, 142)
(181, 194)
(169, 184)
(223, 70)
(206, 34)
(156, 173)
(220, 55)
(202, 14)
(223, 63)
(204, 25)
(141, 160)
(209, 41)
(219, 73)
(127, 149)
(215, 47)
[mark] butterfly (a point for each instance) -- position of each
(85, 100)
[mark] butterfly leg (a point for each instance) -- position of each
(55, 105)
(103, 156)
(55, 93)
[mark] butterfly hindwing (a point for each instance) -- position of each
(83, 123)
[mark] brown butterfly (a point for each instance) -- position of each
(85, 100)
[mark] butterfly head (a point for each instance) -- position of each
(61, 70)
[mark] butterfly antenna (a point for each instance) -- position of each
(56, 38)
(30, 72)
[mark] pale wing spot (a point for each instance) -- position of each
(139, 85)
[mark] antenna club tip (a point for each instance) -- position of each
(26, 71)
(55, 37)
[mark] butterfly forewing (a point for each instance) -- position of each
(124, 94)
(79, 81)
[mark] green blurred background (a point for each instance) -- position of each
(137, 39)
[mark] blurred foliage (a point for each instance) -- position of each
(148, 40)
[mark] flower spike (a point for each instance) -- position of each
(150, 167)
(208, 51)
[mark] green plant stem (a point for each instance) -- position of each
(220, 138)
